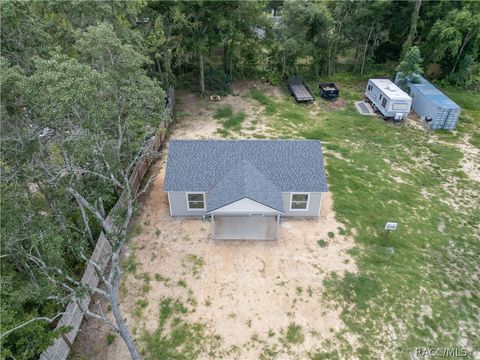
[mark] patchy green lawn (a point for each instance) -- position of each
(419, 287)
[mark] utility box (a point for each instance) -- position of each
(433, 106)
(387, 98)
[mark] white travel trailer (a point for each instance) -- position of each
(388, 98)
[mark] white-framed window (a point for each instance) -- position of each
(196, 201)
(299, 201)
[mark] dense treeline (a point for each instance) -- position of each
(82, 88)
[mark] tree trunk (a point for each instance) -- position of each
(160, 70)
(465, 42)
(232, 43)
(355, 64)
(225, 56)
(329, 64)
(202, 75)
(100, 206)
(365, 50)
(117, 313)
(86, 224)
(413, 27)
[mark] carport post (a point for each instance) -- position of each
(278, 224)
(213, 226)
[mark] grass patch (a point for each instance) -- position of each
(294, 334)
(130, 263)
(229, 119)
(267, 102)
(110, 339)
(235, 121)
(136, 230)
(182, 283)
(223, 113)
(428, 261)
(140, 305)
(176, 338)
(194, 264)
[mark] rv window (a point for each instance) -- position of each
(369, 87)
(380, 96)
(399, 106)
(384, 102)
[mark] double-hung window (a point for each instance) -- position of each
(299, 201)
(196, 201)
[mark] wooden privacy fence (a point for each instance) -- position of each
(101, 254)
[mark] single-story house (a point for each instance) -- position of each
(245, 186)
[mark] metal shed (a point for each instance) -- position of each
(433, 106)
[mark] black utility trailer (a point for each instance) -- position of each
(329, 91)
(299, 89)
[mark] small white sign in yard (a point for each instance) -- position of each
(390, 226)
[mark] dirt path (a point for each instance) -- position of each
(243, 290)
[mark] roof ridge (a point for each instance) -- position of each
(251, 183)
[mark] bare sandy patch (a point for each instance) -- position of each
(197, 112)
(244, 290)
(471, 159)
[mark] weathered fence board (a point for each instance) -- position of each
(73, 314)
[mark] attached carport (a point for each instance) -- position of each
(245, 220)
(245, 205)
(245, 227)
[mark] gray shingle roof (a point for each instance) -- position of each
(244, 181)
(291, 165)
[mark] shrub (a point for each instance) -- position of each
(110, 338)
(322, 243)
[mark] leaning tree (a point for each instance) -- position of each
(80, 129)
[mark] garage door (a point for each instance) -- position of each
(252, 227)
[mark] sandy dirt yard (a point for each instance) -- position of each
(242, 291)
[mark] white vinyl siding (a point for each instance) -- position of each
(196, 201)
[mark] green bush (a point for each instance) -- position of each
(322, 243)
(217, 81)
